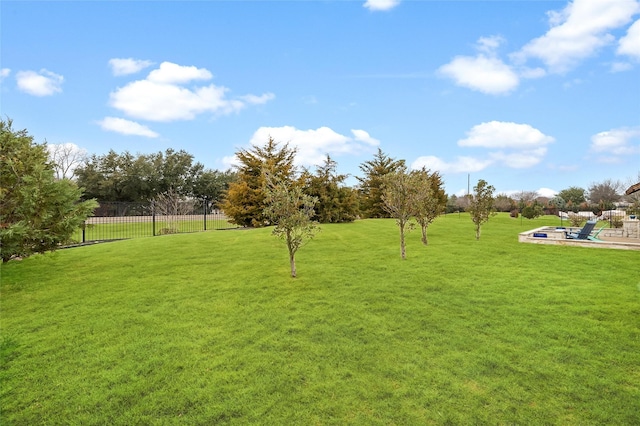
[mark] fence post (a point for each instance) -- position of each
(84, 225)
(153, 220)
(205, 205)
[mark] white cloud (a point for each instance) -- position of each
(547, 192)
(121, 66)
(42, 83)
(512, 145)
(362, 136)
(481, 73)
(621, 67)
(162, 96)
(126, 127)
(542, 192)
(490, 44)
(170, 73)
(314, 144)
(617, 142)
(4, 73)
(630, 44)
(230, 161)
(563, 167)
(577, 32)
(460, 165)
(258, 100)
(484, 72)
(519, 159)
(525, 72)
(375, 5)
(609, 159)
(500, 134)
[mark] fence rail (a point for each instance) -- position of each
(117, 221)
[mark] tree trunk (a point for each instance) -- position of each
(402, 249)
(292, 254)
(424, 235)
(477, 232)
(292, 260)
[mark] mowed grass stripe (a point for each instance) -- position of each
(209, 328)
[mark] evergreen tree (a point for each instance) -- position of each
(38, 213)
(371, 184)
(532, 210)
(244, 201)
(336, 202)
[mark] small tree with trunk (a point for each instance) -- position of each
(481, 206)
(171, 205)
(429, 198)
(532, 210)
(398, 195)
(290, 210)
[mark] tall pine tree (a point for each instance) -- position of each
(244, 201)
(336, 202)
(372, 183)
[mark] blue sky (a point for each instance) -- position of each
(528, 95)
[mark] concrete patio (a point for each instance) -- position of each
(625, 238)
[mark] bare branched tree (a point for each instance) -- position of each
(605, 193)
(171, 205)
(65, 158)
(525, 198)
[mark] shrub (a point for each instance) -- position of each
(616, 222)
(167, 231)
(533, 211)
(575, 220)
(37, 212)
(514, 213)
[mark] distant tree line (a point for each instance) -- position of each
(47, 191)
(240, 191)
(598, 197)
(142, 177)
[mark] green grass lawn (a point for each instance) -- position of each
(209, 328)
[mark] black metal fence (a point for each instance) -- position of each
(119, 220)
